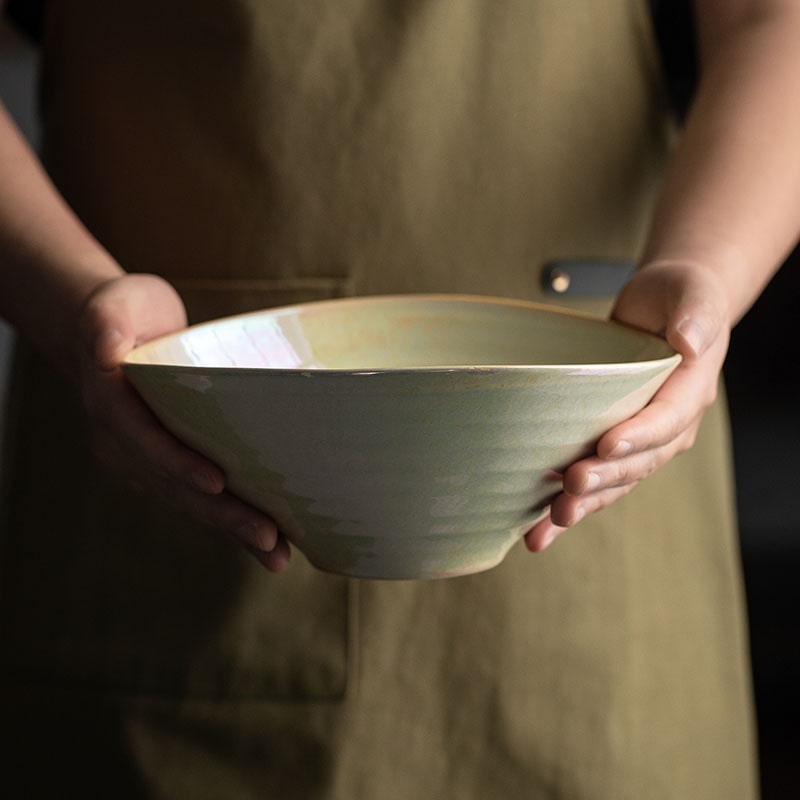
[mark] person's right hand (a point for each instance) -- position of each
(126, 437)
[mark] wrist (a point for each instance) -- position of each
(48, 302)
(718, 267)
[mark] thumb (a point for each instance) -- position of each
(696, 321)
(125, 312)
(681, 301)
(111, 345)
(107, 328)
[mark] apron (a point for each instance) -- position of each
(262, 153)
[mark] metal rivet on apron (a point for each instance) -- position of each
(586, 277)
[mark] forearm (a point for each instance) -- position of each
(731, 199)
(49, 262)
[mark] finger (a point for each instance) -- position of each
(239, 521)
(225, 512)
(278, 560)
(128, 436)
(542, 534)
(110, 346)
(683, 302)
(664, 420)
(125, 312)
(677, 405)
(695, 325)
(254, 530)
(596, 474)
(567, 510)
(151, 458)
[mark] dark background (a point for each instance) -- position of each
(762, 393)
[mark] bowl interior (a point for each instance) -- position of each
(404, 332)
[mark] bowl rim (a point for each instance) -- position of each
(671, 359)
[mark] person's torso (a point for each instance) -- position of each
(276, 151)
(257, 152)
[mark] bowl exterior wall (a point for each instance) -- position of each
(397, 475)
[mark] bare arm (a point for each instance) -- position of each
(731, 201)
(49, 263)
(67, 295)
(728, 215)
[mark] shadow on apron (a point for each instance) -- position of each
(124, 592)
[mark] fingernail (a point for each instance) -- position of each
(693, 335)
(278, 560)
(255, 535)
(622, 448)
(592, 482)
(580, 513)
(105, 347)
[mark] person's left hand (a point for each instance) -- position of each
(128, 439)
(686, 304)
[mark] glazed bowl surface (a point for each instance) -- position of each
(407, 436)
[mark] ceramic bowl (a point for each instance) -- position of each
(405, 436)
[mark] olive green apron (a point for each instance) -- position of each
(263, 152)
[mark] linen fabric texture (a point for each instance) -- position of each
(261, 153)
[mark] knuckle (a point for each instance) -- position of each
(624, 473)
(628, 471)
(652, 465)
